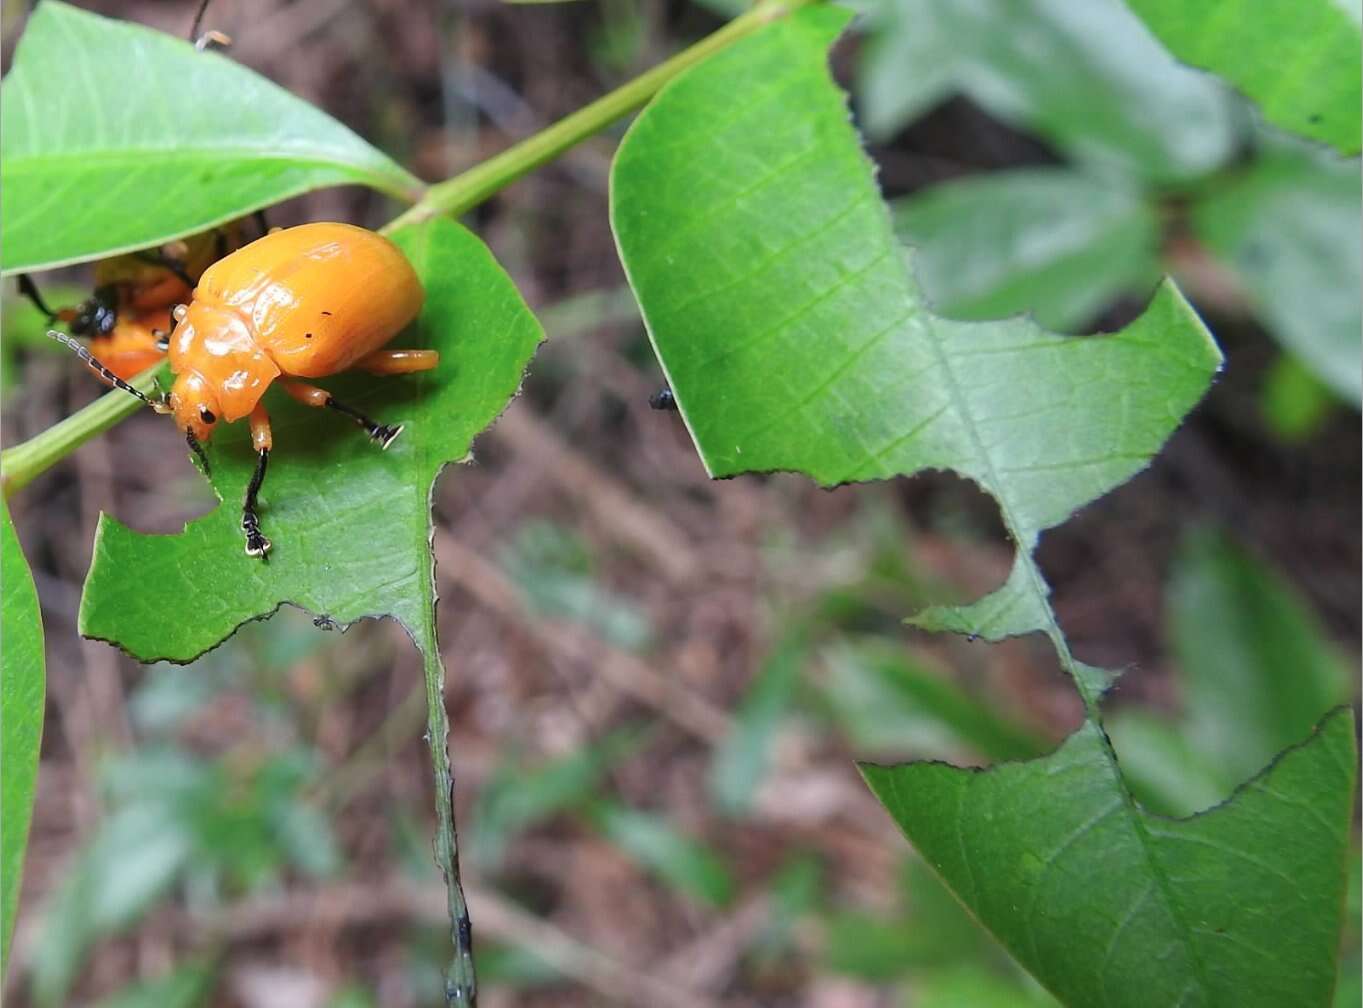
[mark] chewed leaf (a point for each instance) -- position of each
(350, 523)
(794, 338)
(1110, 905)
(114, 119)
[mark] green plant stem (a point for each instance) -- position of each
(22, 463)
(465, 191)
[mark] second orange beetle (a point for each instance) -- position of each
(303, 302)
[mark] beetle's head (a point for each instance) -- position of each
(195, 405)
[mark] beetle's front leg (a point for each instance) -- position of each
(262, 440)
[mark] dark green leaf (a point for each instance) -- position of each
(1087, 76)
(1053, 242)
(1112, 906)
(118, 137)
(350, 524)
(22, 694)
(1288, 225)
(1299, 59)
(684, 863)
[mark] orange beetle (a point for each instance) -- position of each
(303, 302)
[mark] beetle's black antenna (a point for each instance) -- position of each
(30, 290)
(98, 367)
(198, 450)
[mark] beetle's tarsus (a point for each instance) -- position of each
(384, 435)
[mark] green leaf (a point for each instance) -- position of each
(516, 798)
(1257, 670)
(22, 695)
(1295, 403)
(350, 524)
(1087, 76)
(893, 707)
(741, 760)
(183, 987)
(1114, 906)
(1288, 226)
(794, 338)
(1050, 241)
(1299, 59)
(131, 137)
(685, 863)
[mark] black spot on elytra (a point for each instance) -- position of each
(326, 313)
(307, 335)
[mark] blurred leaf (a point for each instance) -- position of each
(371, 556)
(892, 707)
(186, 986)
(972, 987)
(513, 966)
(515, 798)
(1288, 226)
(133, 859)
(1108, 905)
(22, 695)
(1257, 668)
(1049, 241)
(352, 997)
(1087, 76)
(1299, 59)
(1163, 767)
(1349, 993)
(793, 893)
(741, 760)
(1295, 403)
(868, 946)
(686, 864)
(553, 567)
(112, 156)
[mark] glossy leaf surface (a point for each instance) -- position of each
(93, 124)
(23, 696)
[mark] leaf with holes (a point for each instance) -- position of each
(1110, 905)
(1299, 59)
(22, 689)
(793, 336)
(350, 523)
(150, 139)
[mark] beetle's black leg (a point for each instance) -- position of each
(176, 266)
(256, 543)
(381, 434)
(262, 222)
(30, 290)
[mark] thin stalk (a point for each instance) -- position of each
(21, 464)
(464, 192)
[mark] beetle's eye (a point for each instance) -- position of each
(206, 415)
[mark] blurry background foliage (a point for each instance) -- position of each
(252, 829)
